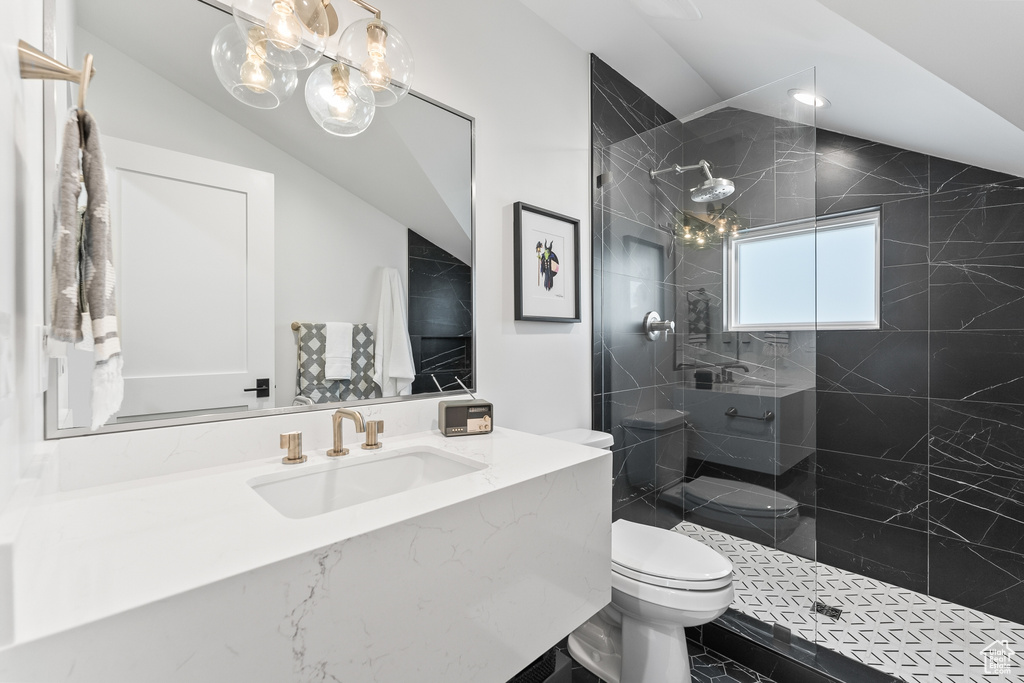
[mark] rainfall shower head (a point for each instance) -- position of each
(711, 190)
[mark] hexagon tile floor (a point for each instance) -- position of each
(705, 667)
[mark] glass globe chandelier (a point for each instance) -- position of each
(717, 225)
(241, 66)
(257, 60)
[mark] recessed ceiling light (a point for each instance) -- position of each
(809, 98)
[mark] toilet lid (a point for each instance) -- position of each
(666, 558)
(749, 500)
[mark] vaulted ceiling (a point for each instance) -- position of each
(943, 77)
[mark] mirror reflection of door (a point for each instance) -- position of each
(193, 242)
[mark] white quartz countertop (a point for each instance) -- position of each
(88, 554)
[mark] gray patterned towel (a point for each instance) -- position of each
(83, 269)
(698, 317)
(310, 381)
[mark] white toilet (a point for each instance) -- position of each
(662, 582)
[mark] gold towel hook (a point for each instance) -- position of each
(84, 77)
(37, 64)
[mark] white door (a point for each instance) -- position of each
(194, 243)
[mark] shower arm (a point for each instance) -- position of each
(702, 164)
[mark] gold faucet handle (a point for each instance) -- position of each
(293, 442)
(373, 428)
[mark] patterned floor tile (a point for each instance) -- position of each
(916, 637)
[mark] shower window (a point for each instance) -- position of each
(805, 275)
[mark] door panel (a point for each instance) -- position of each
(188, 230)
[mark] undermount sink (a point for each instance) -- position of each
(314, 490)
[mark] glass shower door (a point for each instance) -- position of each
(714, 423)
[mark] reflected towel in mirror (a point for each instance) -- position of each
(698, 317)
(310, 380)
(338, 355)
(394, 368)
(776, 344)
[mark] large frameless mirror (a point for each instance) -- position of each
(242, 236)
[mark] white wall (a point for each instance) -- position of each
(323, 232)
(21, 235)
(528, 89)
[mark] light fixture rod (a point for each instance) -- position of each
(368, 7)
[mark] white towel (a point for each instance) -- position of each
(338, 354)
(393, 367)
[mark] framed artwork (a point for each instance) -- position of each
(547, 265)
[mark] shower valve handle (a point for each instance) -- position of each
(654, 325)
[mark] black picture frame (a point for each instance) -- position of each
(546, 290)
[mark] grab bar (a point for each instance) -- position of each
(767, 417)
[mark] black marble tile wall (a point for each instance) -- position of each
(921, 424)
(978, 576)
(618, 109)
(883, 427)
(972, 436)
(855, 174)
(440, 315)
(873, 362)
(872, 488)
(887, 552)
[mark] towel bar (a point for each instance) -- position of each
(767, 417)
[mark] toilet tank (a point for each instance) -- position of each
(656, 440)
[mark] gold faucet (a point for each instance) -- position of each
(373, 428)
(339, 415)
(293, 442)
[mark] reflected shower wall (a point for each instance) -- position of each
(711, 426)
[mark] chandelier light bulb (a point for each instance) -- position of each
(295, 32)
(377, 73)
(375, 69)
(255, 74)
(383, 57)
(239, 59)
(283, 28)
(339, 99)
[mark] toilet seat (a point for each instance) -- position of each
(666, 559)
(675, 584)
(692, 601)
(711, 494)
